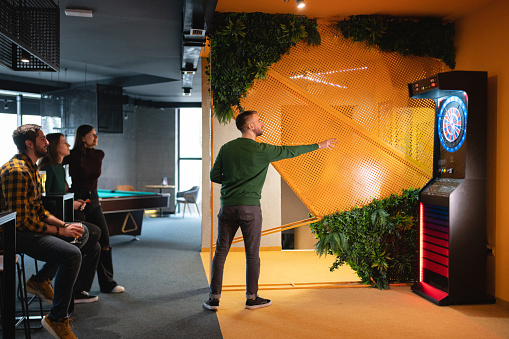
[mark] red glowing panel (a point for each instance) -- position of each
(421, 242)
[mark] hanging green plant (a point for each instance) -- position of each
(429, 37)
(243, 46)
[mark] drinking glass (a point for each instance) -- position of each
(42, 176)
(76, 239)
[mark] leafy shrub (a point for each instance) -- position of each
(378, 240)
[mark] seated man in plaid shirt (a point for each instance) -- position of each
(39, 234)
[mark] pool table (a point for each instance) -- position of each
(123, 210)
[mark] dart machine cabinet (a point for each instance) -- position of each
(452, 218)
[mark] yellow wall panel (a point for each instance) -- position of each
(358, 95)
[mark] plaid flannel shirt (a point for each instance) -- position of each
(21, 193)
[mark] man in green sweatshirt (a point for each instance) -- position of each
(241, 167)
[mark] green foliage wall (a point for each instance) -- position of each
(378, 240)
(430, 37)
(243, 46)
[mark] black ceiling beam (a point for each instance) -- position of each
(209, 9)
(32, 87)
(129, 81)
(158, 104)
(197, 18)
(198, 14)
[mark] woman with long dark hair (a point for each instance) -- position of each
(51, 163)
(85, 168)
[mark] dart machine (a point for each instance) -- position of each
(452, 219)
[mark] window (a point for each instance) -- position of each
(31, 119)
(8, 123)
(189, 148)
(30, 115)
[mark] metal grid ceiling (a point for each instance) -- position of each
(32, 25)
(358, 95)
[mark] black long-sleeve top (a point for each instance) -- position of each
(85, 170)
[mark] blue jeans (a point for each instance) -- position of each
(54, 251)
(230, 218)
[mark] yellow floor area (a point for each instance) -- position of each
(340, 312)
(283, 269)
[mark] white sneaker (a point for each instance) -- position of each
(117, 289)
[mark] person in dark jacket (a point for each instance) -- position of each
(85, 164)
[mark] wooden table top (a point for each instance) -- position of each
(159, 186)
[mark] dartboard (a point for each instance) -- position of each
(452, 123)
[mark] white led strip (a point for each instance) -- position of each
(319, 77)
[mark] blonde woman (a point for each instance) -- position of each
(58, 148)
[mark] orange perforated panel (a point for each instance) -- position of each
(358, 95)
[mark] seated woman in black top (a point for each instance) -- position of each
(55, 183)
(85, 168)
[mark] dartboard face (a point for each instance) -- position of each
(452, 124)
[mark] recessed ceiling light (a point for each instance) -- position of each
(25, 56)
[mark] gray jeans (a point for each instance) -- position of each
(230, 218)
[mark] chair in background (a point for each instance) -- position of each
(188, 197)
(125, 188)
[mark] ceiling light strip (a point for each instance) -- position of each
(83, 13)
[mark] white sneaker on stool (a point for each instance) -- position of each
(117, 289)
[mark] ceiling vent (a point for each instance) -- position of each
(196, 31)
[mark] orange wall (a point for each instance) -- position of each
(482, 41)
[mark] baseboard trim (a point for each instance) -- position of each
(241, 249)
(503, 303)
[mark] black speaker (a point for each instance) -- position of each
(109, 109)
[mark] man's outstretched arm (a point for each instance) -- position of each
(284, 152)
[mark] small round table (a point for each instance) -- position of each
(161, 187)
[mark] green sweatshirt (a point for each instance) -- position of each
(55, 178)
(55, 183)
(241, 167)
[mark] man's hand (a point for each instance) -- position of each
(329, 143)
(71, 231)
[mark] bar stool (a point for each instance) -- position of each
(21, 293)
(25, 301)
(39, 312)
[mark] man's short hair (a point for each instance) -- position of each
(24, 133)
(241, 119)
